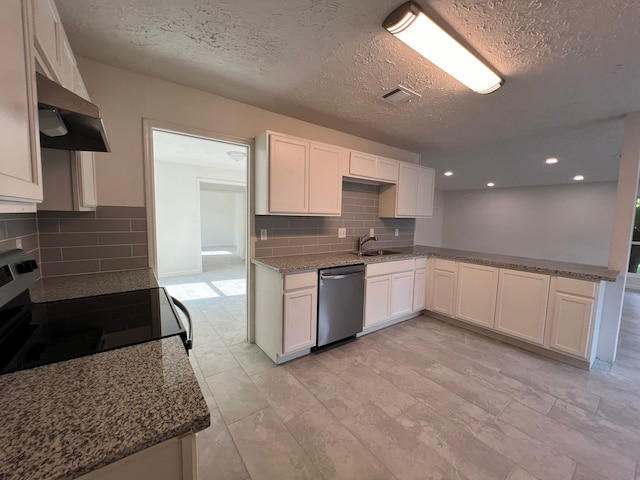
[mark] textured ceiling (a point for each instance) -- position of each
(571, 70)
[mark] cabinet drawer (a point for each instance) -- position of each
(421, 263)
(583, 288)
(445, 265)
(388, 268)
(300, 280)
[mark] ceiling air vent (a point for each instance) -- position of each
(399, 95)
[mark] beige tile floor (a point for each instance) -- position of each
(419, 400)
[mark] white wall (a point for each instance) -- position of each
(429, 230)
(570, 223)
(218, 218)
(177, 214)
(125, 98)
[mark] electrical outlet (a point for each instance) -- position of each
(371, 232)
(263, 234)
(397, 232)
(342, 233)
(18, 243)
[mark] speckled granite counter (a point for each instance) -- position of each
(66, 419)
(76, 286)
(300, 263)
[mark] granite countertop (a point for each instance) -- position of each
(301, 263)
(69, 418)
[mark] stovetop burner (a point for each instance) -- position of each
(35, 334)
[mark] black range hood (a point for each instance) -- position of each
(68, 121)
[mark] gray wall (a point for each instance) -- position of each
(570, 223)
(429, 230)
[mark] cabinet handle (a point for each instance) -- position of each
(338, 277)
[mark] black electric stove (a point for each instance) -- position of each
(35, 334)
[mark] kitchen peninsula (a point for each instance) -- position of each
(129, 411)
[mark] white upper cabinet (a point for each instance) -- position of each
(20, 175)
(297, 177)
(371, 167)
(412, 196)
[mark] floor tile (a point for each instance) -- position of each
(584, 473)
(457, 445)
(600, 458)
(284, 393)
(231, 333)
(333, 449)
(519, 474)
(214, 359)
(251, 358)
(218, 458)
(268, 450)
(532, 455)
(235, 394)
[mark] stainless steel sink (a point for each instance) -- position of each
(377, 253)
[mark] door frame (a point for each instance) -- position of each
(148, 126)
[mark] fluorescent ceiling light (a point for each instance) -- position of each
(551, 161)
(491, 184)
(448, 174)
(409, 23)
(578, 178)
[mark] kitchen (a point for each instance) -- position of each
(127, 97)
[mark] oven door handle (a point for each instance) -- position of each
(183, 309)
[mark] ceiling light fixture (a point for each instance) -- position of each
(578, 178)
(551, 161)
(410, 24)
(491, 184)
(237, 155)
(448, 173)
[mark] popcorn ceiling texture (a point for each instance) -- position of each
(566, 63)
(297, 235)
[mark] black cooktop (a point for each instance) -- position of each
(35, 334)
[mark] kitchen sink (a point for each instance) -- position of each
(377, 253)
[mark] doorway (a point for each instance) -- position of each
(199, 219)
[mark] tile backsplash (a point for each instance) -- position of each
(19, 226)
(298, 235)
(109, 239)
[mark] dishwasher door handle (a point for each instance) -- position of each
(339, 277)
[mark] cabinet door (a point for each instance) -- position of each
(522, 304)
(401, 301)
(387, 169)
(377, 292)
(571, 324)
(46, 33)
(419, 289)
(20, 175)
(426, 182)
(288, 161)
(362, 165)
(67, 63)
(406, 195)
(442, 292)
(325, 179)
(476, 294)
(300, 319)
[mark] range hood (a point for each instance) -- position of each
(68, 121)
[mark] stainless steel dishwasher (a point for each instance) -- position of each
(340, 303)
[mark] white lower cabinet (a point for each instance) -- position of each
(522, 305)
(442, 286)
(388, 291)
(571, 314)
(420, 285)
(286, 313)
(477, 288)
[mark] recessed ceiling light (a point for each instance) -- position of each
(448, 173)
(578, 178)
(491, 184)
(551, 161)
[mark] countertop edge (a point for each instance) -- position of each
(302, 263)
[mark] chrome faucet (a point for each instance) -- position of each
(362, 240)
